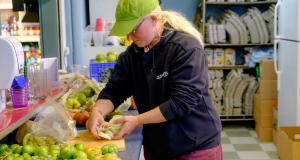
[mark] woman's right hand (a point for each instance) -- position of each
(95, 120)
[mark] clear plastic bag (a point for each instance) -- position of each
(54, 121)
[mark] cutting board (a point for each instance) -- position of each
(88, 140)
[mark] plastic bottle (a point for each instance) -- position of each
(209, 55)
(218, 56)
(229, 57)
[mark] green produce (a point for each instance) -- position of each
(25, 138)
(112, 53)
(67, 152)
(109, 148)
(89, 92)
(38, 140)
(4, 153)
(26, 155)
(97, 157)
(111, 156)
(9, 157)
(54, 153)
(18, 150)
(117, 111)
(81, 98)
(72, 103)
(79, 154)
(100, 57)
(3, 147)
(13, 146)
(49, 140)
(41, 151)
(29, 149)
(79, 146)
(54, 147)
(111, 58)
(18, 158)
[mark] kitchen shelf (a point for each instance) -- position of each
(229, 44)
(230, 67)
(242, 117)
(240, 3)
(28, 38)
(12, 118)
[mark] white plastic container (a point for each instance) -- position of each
(218, 56)
(229, 57)
(209, 55)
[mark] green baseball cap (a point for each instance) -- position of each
(128, 13)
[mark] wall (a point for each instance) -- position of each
(106, 9)
(187, 7)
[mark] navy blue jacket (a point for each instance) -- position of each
(174, 76)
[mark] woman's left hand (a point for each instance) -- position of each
(129, 124)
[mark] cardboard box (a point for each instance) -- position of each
(264, 134)
(267, 71)
(264, 120)
(268, 89)
(275, 125)
(287, 146)
(264, 106)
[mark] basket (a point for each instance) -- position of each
(99, 71)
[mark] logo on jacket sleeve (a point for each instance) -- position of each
(165, 74)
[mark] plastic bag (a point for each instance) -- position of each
(54, 121)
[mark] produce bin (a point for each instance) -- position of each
(101, 71)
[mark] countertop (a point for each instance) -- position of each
(133, 141)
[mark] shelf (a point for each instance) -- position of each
(230, 67)
(28, 38)
(229, 44)
(240, 3)
(5, 5)
(242, 117)
(12, 118)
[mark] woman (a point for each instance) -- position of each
(166, 72)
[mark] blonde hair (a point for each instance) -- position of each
(178, 22)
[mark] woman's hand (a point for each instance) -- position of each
(95, 120)
(129, 124)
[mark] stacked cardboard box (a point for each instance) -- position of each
(265, 100)
(288, 143)
(275, 125)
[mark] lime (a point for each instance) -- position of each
(103, 60)
(99, 57)
(81, 97)
(111, 52)
(111, 58)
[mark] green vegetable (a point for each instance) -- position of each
(79, 146)
(109, 148)
(89, 92)
(81, 98)
(25, 138)
(72, 103)
(117, 111)
(67, 152)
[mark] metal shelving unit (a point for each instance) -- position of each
(230, 67)
(241, 3)
(241, 117)
(229, 44)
